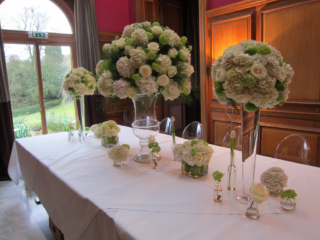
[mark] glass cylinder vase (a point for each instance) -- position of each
(81, 119)
(193, 171)
(249, 132)
(145, 125)
(218, 192)
(232, 174)
(109, 142)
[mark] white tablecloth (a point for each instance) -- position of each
(88, 198)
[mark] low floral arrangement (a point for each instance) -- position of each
(118, 154)
(106, 129)
(194, 156)
(79, 82)
(288, 202)
(253, 73)
(147, 59)
(275, 180)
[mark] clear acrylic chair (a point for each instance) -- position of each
(192, 131)
(128, 115)
(166, 126)
(294, 148)
(227, 138)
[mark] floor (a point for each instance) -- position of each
(20, 217)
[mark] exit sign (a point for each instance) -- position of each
(37, 35)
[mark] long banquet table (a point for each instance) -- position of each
(88, 198)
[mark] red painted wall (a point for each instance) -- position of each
(114, 15)
(220, 3)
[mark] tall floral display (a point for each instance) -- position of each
(146, 60)
(254, 75)
(79, 82)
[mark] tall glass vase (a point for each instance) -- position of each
(81, 119)
(145, 125)
(249, 131)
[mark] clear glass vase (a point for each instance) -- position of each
(145, 125)
(249, 131)
(109, 142)
(253, 211)
(194, 171)
(288, 204)
(81, 119)
(70, 135)
(117, 164)
(172, 147)
(218, 192)
(232, 174)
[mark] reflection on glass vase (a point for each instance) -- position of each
(81, 119)
(249, 131)
(193, 171)
(70, 135)
(145, 125)
(109, 142)
(252, 211)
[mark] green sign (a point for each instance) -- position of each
(37, 35)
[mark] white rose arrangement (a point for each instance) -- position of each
(253, 73)
(105, 129)
(147, 59)
(274, 179)
(79, 82)
(194, 155)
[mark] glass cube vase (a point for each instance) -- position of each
(193, 171)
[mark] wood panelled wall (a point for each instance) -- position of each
(116, 111)
(291, 26)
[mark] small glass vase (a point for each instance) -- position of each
(232, 174)
(154, 160)
(275, 193)
(70, 135)
(81, 119)
(288, 204)
(252, 211)
(218, 192)
(172, 147)
(109, 142)
(194, 171)
(117, 164)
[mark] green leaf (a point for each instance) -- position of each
(289, 194)
(217, 176)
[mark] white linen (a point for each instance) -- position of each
(69, 176)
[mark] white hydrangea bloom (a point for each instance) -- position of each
(174, 38)
(118, 154)
(165, 64)
(99, 67)
(121, 43)
(186, 53)
(120, 88)
(171, 91)
(127, 31)
(124, 67)
(172, 52)
(81, 89)
(140, 37)
(138, 57)
(147, 85)
(131, 93)
(127, 49)
(105, 84)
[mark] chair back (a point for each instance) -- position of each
(227, 139)
(192, 131)
(294, 148)
(128, 115)
(166, 126)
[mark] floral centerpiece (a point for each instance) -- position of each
(275, 180)
(147, 59)
(79, 82)
(118, 155)
(194, 156)
(108, 132)
(253, 73)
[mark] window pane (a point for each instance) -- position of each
(55, 63)
(23, 86)
(33, 15)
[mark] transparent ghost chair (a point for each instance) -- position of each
(192, 131)
(227, 139)
(128, 115)
(294, 148)
(166, 126)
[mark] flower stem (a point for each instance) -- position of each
(231, 169)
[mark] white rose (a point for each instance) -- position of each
(132, 93)
(153, 47)
(145, 71)
(163, 80)
(156, 30)
(172, 71)
(233, 134)
(259, 71)
(220, 75)
(258, 193)
(121, 43)
(172, 53)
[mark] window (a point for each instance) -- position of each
(36, 67)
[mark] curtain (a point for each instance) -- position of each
(88, 54)
(6, 123)
(191, 31)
